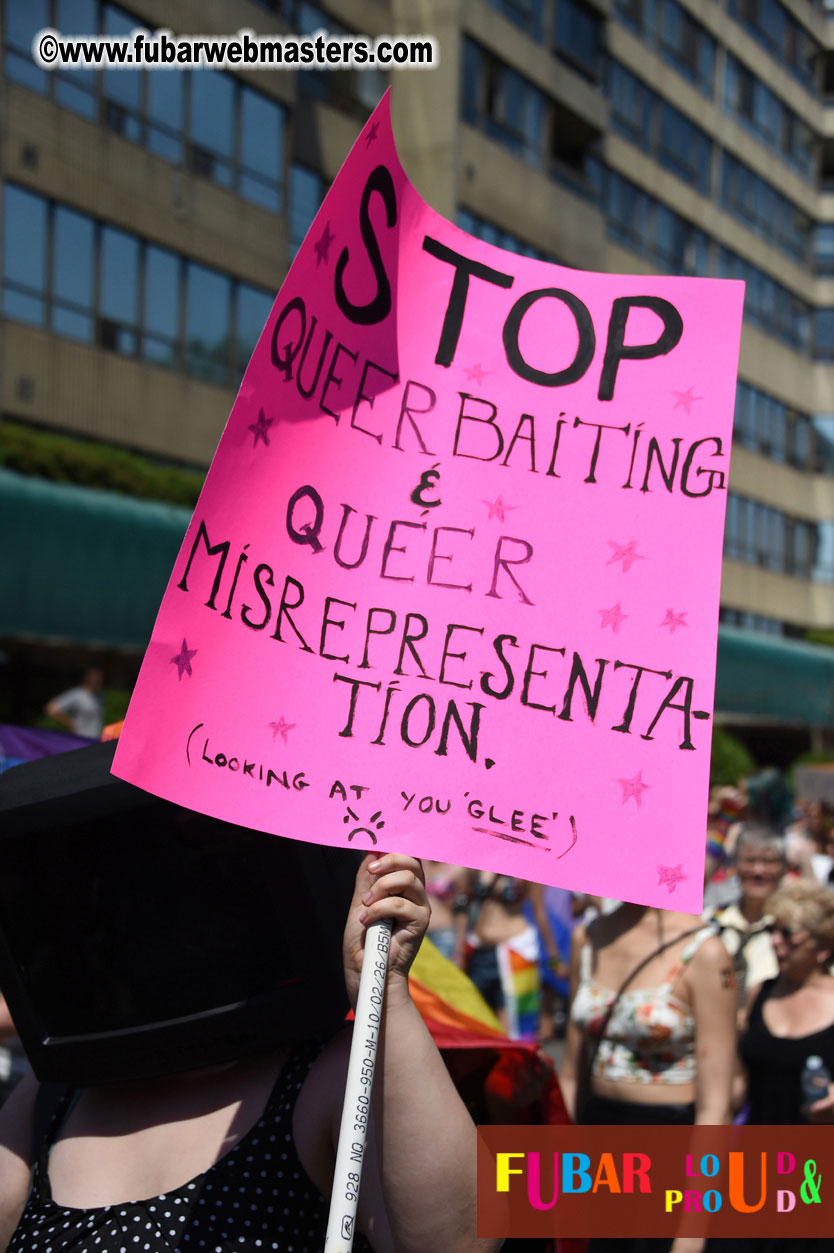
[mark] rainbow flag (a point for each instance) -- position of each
(501, 1080)
(518, 965)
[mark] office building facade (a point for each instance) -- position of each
(148, 217)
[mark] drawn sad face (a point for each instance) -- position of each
(376, 823)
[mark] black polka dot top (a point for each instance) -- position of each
(256, 1199)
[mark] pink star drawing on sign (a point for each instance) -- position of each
(183, 660)
(371, 135)
(475, 372)
(260, 429)
(322, 245)
(671, 876)
(281, 727)
(626, 553)
(634, 788)
(497, 509)
(613, 617)
(685, 400)
(674, 620)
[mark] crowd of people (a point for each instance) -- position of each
(668, 1019)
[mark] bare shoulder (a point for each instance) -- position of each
(712, 978)
(711, 954)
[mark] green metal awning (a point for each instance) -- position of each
(771, 679)
(82, 565)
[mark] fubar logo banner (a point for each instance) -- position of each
(656, 1181)
(452, 582)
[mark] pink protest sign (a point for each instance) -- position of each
(452, 583)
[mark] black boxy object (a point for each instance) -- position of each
(138, 938)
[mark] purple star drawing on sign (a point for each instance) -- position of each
(322, 245)
(260, 429)
(371, 135)
(626, 553)
(634, 788)
(281, 727)
(685, 400)
(475, 372)
(671, 876)
(613, 617)
(674, 620)
(497, 509)
(183, 660)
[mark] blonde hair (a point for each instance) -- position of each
(807, 905)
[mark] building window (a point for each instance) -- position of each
(768, 426)
(579, 37)
(765, 210)
(228, 131)
(122, 90)
(72, 274)
(824, 334)
(306, 195)
(645, 225)
(750, 621)
(780, 32)
(22, 21)
(161, 329)
(632, 105)
(76, 89)
(207, 323)
(757, 534)
(671, 30)
(253, 309)
(119, 292)
(92, 282)
(515, 111)
(823, 443)
(685, 148)
(355, 91)
(166, 114)
(823, 571)
(25, 251)
(261, 150)
(749, 101)
(767, 304)
(483, 229)
(506, 106)
(800, 441)
(687, 44)
(627, 208)
(761, 422)
(659, 128)
(212, 137)
(800, 549)
(824, 248)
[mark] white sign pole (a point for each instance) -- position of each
(360, 1077)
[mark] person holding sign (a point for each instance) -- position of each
(243, 1153)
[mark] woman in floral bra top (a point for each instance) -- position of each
(645, 1042)
(662, 1051)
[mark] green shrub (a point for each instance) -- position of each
(730, 761)
(819, 636)
(64, 459)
